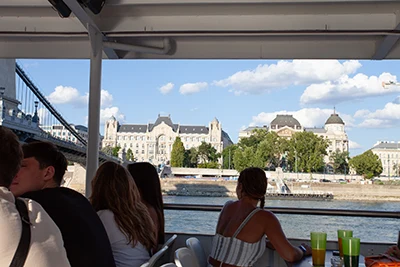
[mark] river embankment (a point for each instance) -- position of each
(349, 191)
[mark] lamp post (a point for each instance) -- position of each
(295, 163)
(230, 157)
(389, 166)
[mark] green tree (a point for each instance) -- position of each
(129, 155)
(367, 164)
(340, 162)
(248, 157)
(257, 135)
(307, 151)
(396, 169)
(177, 153)
(227, 155)
(107, 150)
(115, 151)
(191, 158)
(261, 149)
(207, 153)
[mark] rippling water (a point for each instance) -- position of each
(294, 226)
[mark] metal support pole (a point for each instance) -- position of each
(92, 154)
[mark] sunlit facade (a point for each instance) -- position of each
(153, 141)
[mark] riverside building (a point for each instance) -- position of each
(389, 154)
(286, 125)
(153, 142)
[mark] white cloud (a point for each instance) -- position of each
(70, 95)
(66, 95)
(348, 88)
(308, 117)
(375, 123)
(31, 65)
(265, 78)
(166, 88)
(354, 145)
(106, 114)
(387, 117)
(191, 88)
(361, 113)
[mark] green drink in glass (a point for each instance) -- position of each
(341, 234)
(351, 251)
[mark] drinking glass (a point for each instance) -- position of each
(318, 246)
(341, 234)
(351, 251)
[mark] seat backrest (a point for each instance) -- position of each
(169, 265)
(185, 258)
(195, 246)
(170, 241)
(153, 260)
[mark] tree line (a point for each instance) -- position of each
(303, 152)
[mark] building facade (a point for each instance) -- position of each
(286, 125)
(60, 132)
(153, 142)
(389, 154)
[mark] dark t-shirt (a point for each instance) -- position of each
(85, 239)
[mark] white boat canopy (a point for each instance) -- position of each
(196, 29)
(205, 29)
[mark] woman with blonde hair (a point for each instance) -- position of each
(129, 226)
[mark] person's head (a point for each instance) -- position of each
(252, 183)
(114, 189)
(10, 155)
(43, 166)
(148, 183)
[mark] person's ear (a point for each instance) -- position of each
(49, 173)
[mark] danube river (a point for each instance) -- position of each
(294, 226)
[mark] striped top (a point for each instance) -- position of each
(233, 251)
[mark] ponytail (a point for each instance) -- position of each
(262, 202)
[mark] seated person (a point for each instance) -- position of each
(242, 227)
(46, 245)
(40, 177)
(130, 229)
(148, 183)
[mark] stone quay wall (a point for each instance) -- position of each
(351, 191)
(75, 178)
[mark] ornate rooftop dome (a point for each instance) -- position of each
(334, 119)
(285, 120)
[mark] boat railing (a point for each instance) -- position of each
(296, 211)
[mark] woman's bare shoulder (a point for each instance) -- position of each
(267, 215)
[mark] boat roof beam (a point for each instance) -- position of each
(388, 42)
(87, 22)
(205, 29)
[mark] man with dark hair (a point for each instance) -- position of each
(45, 244)
(40, 177)
(43, 166)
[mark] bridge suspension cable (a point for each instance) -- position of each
(28, 82)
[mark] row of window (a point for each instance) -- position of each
(164, 138)
(386, 156)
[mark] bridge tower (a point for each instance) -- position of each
(7, 84)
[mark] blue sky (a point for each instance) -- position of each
(238, 93)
